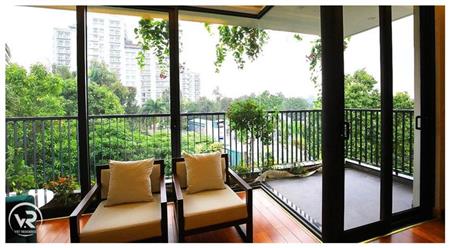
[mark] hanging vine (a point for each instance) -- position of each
(243, 43)
(153, 35)
(314, 59)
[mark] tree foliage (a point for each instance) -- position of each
(314, 58)
(250, 117)
(402, 100)
(153, 35)
(100, 74)
(33, 93)
(243, 43)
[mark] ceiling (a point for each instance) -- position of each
(299, 19)
(253, 10)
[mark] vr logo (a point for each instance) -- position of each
(24, 226)
(29, 221)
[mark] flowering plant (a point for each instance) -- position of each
(62, 187)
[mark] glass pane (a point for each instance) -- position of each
(362, 112)
(222, 87)
(406, 178)
(41, 149)
(126, 78)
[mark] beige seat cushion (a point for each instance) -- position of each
(154, 178)
(212, 207)
(203, 172)
(129, 181)
(123, 223)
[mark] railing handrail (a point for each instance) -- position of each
(31, 118)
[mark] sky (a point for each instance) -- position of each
(282, 66)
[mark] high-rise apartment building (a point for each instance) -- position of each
(108, 43)
(64, 47)
(189, 84)
(140, 78)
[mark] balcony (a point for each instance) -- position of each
(48, 145)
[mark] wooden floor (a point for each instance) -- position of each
(432, 231)
(271, 225)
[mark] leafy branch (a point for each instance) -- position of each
(153, 34)
(314, 59)
(243, 43)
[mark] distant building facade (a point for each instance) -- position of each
(135, 76)
(108, 43)
(64, 47)
(189, 84)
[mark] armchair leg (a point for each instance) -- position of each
(74, 230)
(164, 237)
(249, 231)
(180, 236)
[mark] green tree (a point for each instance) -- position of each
(251, 122)
(295, 103)
(402, 100)
(360, 90)
(154, 107)
(33, 93)
(101, 100)
(63, 71)
(127, 97)
(269, 101)
(100, 74)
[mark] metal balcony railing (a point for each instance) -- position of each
(47, 146)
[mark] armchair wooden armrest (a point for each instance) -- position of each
(243, 184)
(177, 188)
(163, 196)
(179, 211)
(75, 215)
(246, 187)
(249, 202)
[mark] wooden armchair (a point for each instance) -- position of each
(126, 222)
(214, 209)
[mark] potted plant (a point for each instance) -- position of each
(65, 199)
(62, 187)
(251, 121)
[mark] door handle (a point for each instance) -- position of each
(419, 120)
(346, 130)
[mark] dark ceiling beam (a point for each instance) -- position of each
(201, 10)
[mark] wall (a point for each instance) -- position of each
(440, 110)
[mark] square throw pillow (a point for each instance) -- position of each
(203, 172)
(129, 181)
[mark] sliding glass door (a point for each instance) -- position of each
(375, 126)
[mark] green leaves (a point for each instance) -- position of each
(242, 42)
(153, 34)
(298, 37)
(250, 117)
(36, 93)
